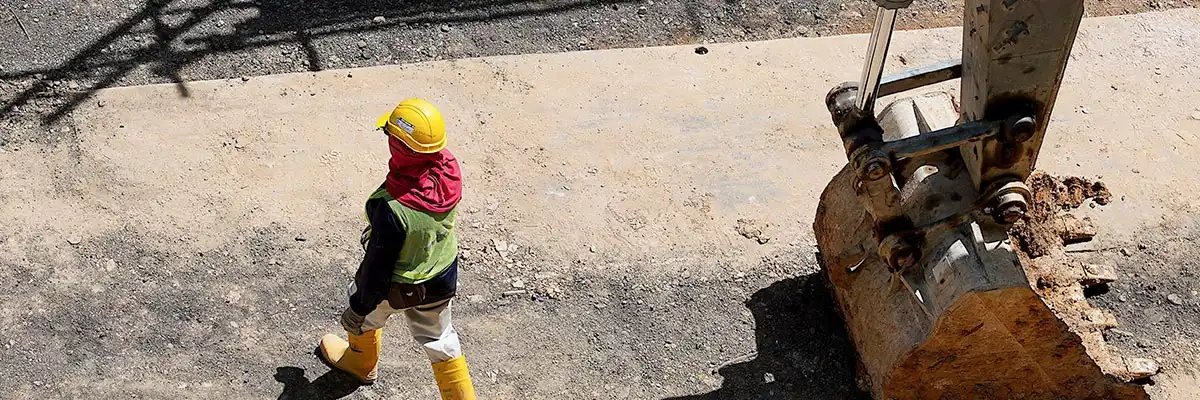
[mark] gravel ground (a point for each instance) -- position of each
(65, 49)
(259, 289)
(1157, 297)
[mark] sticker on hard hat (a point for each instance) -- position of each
(405, 125)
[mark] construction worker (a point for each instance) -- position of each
(411, 261)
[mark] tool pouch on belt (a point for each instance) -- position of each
(405, 295)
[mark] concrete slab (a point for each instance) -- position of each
(630, 165)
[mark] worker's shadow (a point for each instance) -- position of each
(332, 385)
(803, 351)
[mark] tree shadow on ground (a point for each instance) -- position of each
(176, 37)
(803, 351)
(332, 385)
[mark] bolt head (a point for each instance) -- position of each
(876, 170)
(906, 260)
(1011, 213)
(1022, 129)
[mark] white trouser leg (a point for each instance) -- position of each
(430, 326)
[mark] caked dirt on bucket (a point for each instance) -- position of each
(1041, 238)
(1048, 224)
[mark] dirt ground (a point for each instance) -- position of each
(55, 53)
(194, 240)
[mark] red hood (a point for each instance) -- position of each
(429, 182)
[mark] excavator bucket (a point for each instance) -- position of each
(964, 323)
(913, 232)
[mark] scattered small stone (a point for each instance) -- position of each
(110, 265)
(301, 238)
(1196, 115)
(1083, 109)
(1097, 274)
(349, 74)
(641, 10)
(518, 284)
(272, 262)
(701, 50)
(499, 245)
(768, 377)
(362, 44)
(245, 78)
(751, 229)
(1175, 299)
(37, 383)
(444, 28)
(600, 306)
(220, 23)
(1122, 298)
(1120, 332)
(379, 20)
(1125, 252)
(1075, 230)
(1141, 367)
(100, 104)
(592, 249)
(73, 85)
(517, 292)
(1143, 344)
(639, 302)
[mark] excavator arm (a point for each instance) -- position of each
(913, 231)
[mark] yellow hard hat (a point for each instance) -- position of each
(417, 123)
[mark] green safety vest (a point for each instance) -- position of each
(430, 244)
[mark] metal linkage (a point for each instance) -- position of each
(943, 139)
(881, 38)
(1002, 133)
(920, 77)
(874, 182)
(873, 160)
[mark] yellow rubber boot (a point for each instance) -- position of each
(358, 357)
(453, 379)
